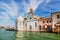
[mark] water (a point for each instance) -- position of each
(7, 35)
(13, 35)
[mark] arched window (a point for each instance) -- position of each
(30, 18)
(30, 27)
(47, 21)
(26, 25)
(35, 24)
(50, 21)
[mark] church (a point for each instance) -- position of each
(34, 23)
(29, 23)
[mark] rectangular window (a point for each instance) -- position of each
(39, 27)
(57, 16)
(35, 24)
(43, 21)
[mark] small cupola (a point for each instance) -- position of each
(20, 18)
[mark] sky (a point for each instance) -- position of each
(10, 10)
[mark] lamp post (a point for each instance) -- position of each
(58, 30)
(58, 27)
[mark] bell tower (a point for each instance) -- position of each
(31, 10)
(30, 14)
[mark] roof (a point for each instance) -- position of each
(36, 17)
(56, 12)
(49, 18)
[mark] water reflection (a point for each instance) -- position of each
(36, 36)
(26, 35)
(2, 29)
(20, 36)
(17, 35)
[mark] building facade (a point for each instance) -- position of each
(34, 23)
(45, 24)
(56, 21)
(29, 23)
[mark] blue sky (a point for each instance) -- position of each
(11, 9)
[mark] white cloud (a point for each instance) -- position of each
(6, 20)
(35, 3)
(13, 7)
(47, 1)
(5, 17)
(32, 4)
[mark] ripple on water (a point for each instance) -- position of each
(13, 35)
(7, 35)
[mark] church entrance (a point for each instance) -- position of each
(49, 28)
(30, 28)
(40, 27)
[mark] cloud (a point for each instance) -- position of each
(32, 4)
(5, 20)
(10, 11)
(13, 9)
(47, 1)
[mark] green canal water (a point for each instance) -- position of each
(13, 35)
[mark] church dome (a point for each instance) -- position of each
(20, 18)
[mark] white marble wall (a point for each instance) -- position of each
(20, 26)
(32, 24)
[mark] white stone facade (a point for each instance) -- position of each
(27, 24)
